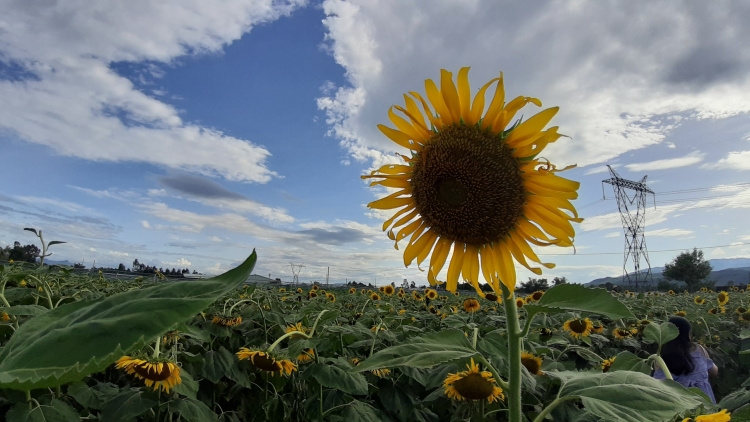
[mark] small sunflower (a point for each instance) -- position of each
(381, 373)
(722, 416)
(374, 296)
(331, 297)
(299, 290)
(159, 373)
(597, 328)
(622, 333)
(282, 290)
(471, 305)
(401, 311)
(307, 355)
(312, 295)
(745, 317)
(473, 184)
(364, 292)
(681, 313)
(431, 294)
(171, 337)
(607, 364)
(401, 295)
(382, 289)
(578, 327)
(417, 297)
(314, 287)
(266, 362)
(722, 298)
(532, 363)
(353, 290)
(389, 290)
(699, 300)
(296, 327)
(740, 310)
(520, 302)
(493, 298)
(537, 295)
(456, 293)
(713, 311)
(227, 321)
(472, 385)
(5, 317)
(671, 292)
(432, 310)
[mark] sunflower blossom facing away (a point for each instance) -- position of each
(472, 385)
(473, 184)
(532, 363)
(159, 373)
(265, 362)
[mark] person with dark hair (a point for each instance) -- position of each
(688, 362)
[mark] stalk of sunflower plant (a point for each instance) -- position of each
(473, 184)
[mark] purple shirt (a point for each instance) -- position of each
(698, 378)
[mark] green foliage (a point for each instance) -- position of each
(82, 338)
(689, 267)
(574, 297)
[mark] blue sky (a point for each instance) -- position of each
(186, 134)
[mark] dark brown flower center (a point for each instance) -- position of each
(531, 364)
(491, 297)
(578, 326)
(266, 363)
(468, 186)
(151, 371)
(473, 387)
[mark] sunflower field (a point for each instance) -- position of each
(85, 348)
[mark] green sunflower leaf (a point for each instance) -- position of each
(422, 352)
(127, 405)
(192, 410)
(72, 341)
(32, 310)
(55, 411)
(334, 377)
(626, 396)
(626, 361)
(660, 333)
(575, 297)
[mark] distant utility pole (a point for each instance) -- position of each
(296, 269)
(633, 216)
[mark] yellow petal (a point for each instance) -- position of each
(454, 268)
(435, 121)
(534, 188)
(450, 95)
(530, 128)
(439, 255)
(477, 107)
(464, 93)
(511, 109)
(424, 133)
(392, 183)
(414, 112)
(498, 101)
(406, 127)
(428, 247)
(400, 138)
(409, 229)
(392, 201)
(488, 265)
(551, 181)
(437, 101)
(526, 249)
(416, 245)
(414, 212)
(394, 169)
(518, 255)
(505, 266)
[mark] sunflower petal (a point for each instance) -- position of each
(406, 127)
(392, 201)
(435, 121)
(477, 107)
(496, 105)
(400, 138)
(505, 266)
(455, 266)
(530, 128)
(436, 98)
(414, 111)
(464, 93)
(450, 95)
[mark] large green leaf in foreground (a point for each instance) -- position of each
(575, 297)
(81, 338)
(625, 396)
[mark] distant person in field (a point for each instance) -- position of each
(688, 362)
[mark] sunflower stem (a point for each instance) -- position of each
(289, 334)
(663, 365)
(156, 347)
(514, 355)
(540, 417)
(363, 306)
(315, 325)
(474, 340)
(377, 330)
(232, 308)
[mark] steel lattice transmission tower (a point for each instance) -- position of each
(633, 214)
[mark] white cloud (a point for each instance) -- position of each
(180, 263)
(611, 235)
(622, 79)
(601, 169)
(669, 163)
(668, 232)
(79, 106)
(56, 204)
(145, 224)
(118, 254)
(671, 145)
(718, 252)
(216, 239)
(735, 160)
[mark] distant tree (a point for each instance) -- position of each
(689, 267)
(79, 266)
(121, 267)
(559, 280)
(609, 286)
(665, 286)
(534, 284)
(19, 253)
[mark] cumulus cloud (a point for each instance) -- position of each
(618, 80)
(735, 160)
(668, 163)
(65, 94)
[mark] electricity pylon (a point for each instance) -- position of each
(633, 216)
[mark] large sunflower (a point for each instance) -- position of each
(578, 327)
(473, 184)
(162, 374)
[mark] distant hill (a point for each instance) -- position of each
(735, 270)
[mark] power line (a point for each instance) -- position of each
(661, 250)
